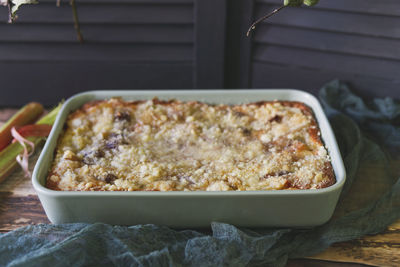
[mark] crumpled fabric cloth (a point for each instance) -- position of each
(369, 140)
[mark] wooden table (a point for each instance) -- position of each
(20, 206)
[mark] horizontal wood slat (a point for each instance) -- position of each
(97, 33)
(132, 2)
(13, 206)
(378, 7)
(49, 83)
(353, 40)
(95, 52)
(328, 61)
(132, 44)
(266, 75)
(105, 13)
(328, 41)
(334, 21)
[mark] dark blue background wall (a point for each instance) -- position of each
(145, 44)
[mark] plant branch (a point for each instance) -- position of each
(10, 17)
(253, 26)
(76, 21)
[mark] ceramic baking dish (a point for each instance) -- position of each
(291, 208)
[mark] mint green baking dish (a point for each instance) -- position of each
(284, 208)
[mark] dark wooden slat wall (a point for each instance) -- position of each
(126, 12)
(61, 79)
(177, 44)
(128, 44)
(97, 33)
(354, 40)
(386, 7)
(209, 44)
(238, 46)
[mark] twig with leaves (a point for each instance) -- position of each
(286, 3)
(13, 6)
(76, 21)
(253, 26)
(9, 12)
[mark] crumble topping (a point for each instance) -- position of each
(171, 145)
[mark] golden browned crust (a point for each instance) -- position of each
(50, 184)
(240, 110)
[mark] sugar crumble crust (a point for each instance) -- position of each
(154, 145)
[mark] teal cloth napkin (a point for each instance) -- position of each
(369, 140)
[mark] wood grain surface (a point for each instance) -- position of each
(20, 206)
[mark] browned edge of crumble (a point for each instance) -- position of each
(313, 131)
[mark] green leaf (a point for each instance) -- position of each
(51, 116)
(311, 2)
(292, 2)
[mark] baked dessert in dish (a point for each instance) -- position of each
(155, 145)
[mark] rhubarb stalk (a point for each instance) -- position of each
(26, 115)
(8, 155)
